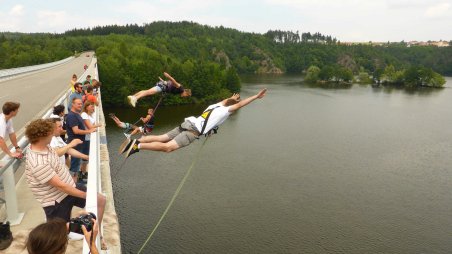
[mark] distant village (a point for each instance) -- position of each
(440, 43)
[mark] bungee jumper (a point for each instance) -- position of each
(191, 128)
(163, 86)
(132, 129)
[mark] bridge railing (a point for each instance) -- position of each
(94, 176)
(7, 73)
(9, 165)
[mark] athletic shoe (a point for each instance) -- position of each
(132, 100)
(133, 148)
(125, 146)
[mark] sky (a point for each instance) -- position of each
(346, 20)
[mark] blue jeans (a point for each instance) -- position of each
(75, 162)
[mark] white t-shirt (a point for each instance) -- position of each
(91, 119)
(58, 142)
(56, 116)
(6, 127)
(217, 117)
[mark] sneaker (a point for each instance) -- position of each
(125, 146)
(132, 100)
(6, 236)
(133, 148)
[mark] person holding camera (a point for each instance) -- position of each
(51, 237)
(49, 179)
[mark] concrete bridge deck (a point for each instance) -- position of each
(37, 92)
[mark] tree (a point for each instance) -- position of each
(312, 74)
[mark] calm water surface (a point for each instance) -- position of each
(304, 170)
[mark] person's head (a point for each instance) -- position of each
(150, 111)
(88, 77)
(230, 102)
(40, 130)
(86, 83)
(48, 238)
(74, 77)
(186, 93)
(10, 107)
(89, 89)
(78, 87)
(58, 110)
(77, 105)
(88, 107)
(58, 127)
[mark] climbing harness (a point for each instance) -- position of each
(181, 184)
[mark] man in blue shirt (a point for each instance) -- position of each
(76, 129)
(78, 93)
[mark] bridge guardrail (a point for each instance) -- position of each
(8, 165)
(7, 73)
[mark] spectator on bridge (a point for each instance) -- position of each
(76, 129)
(85, 85)
(88, 78)
(72, 82)
(51, 237)
(10, 110)
(77, 94)
(90, 123)
(49, 179)
(96, 85)
(163, 86)
(89, 96)
(61, 147)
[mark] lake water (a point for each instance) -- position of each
(304, 170)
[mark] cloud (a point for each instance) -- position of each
(52, 19)
(17, 10)
(438, 10)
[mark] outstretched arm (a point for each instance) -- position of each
(248, 100)
(172, 79)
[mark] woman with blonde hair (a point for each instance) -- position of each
(72, 82)
(90, 123)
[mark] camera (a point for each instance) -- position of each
(75, 224)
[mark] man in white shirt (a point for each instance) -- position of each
(191, 128)
(10, 110)
(61, 148)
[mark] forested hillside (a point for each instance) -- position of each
(208, 59)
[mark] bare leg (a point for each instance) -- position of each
(83, 166)
(144, 93)
(160, 146)
(135, 131)
(152, 138)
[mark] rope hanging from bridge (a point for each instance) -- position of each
(181, 184)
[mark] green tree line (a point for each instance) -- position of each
(208, 59)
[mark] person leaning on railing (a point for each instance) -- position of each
(49, 179)
(10, 110)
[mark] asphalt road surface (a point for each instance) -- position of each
(38, 91)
